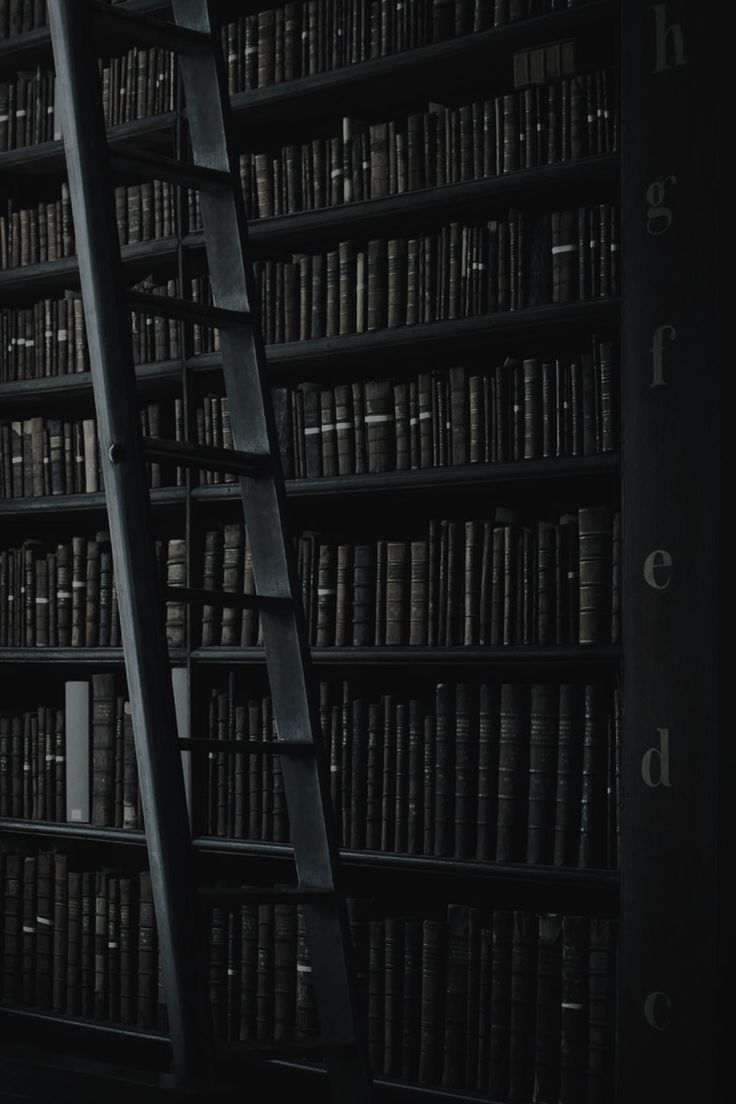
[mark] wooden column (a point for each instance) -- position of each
(671, 448)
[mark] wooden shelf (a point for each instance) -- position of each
(86, 657)
(314, 354)
(40, 1014)
(429, 866)
(419, 866)
(604, 466)
(553, 655)
(47, 158)
(48, 829)
(31, 280)
(81, 503)
(32, 393)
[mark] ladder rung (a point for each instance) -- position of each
(146, 30)
(138, 163)
(184, 310)
(230, 461)
(252, 747)
(264, 895)
(218, 598)
(284, 1048)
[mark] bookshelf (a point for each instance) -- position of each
(657, 1046)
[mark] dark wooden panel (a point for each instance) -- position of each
(670, 475)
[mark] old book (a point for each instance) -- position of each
(523, 1006)
(376, 1001)
(466, 770)
(59, 931)
(569, 775)
(127, 935)
(232, 582)
(432, 1002)
(392, 994)
(601, 1008)
(77, 728)
(512, 773)
(498, 1079)
(358, 768)
(595, 578)
(574, 1006)
(542, 771)
(102, 739)
(147, 947)
(44, 920)
(443, 770)
(401, 778)
(593, 832)
(29, 929)
(548, 1011)
(388, 774)
(380, 426)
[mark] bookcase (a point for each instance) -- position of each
(484, 236)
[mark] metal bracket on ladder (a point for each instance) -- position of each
(256, 460)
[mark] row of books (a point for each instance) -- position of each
(145, 211)
(78, 942)
(489, 771)
(44, 232)
(493, 1001)
(539, 406)
(29, 235)
(312, 36)
(49, 337)
(478, 582)
(134, 85)
(527, 1003)
(461, 271)
(519, 409)
(494, 581)
(497, 772)
(63, 594)
(52, 456)
(542, 125)
(19, 16)
(33, 764)
(76, 761)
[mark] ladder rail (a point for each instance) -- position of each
(139, 595)
(274, 569)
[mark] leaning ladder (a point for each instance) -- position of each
(90, 161)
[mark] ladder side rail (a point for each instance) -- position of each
(127, 496)
(253, 430)
(264, 503)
